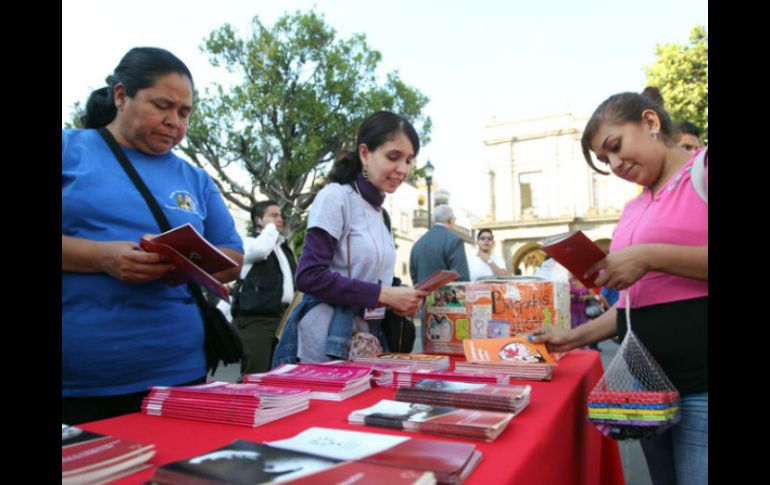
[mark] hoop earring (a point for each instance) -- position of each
(365, 172)
(654, 134)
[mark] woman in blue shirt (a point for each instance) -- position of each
(123, 330)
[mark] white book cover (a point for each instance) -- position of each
(338, 443)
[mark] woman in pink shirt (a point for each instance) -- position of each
(659, 256)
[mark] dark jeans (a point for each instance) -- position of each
(257, 334)
(76, 410)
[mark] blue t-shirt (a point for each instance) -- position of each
(611, 295)
(118, 337)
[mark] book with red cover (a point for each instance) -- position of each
(382, 372)
(467, 395)
(335, 383)
(195, 258)
(247, 463)
(365, 473)
(438, 279)
(95, 458)
(451, 461)
(403, 378)
(427, 418)
(416, 361)
(576, 252)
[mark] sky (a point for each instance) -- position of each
(478, 61)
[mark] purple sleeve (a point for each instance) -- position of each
(315, 278)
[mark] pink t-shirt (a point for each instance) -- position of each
(676, 215)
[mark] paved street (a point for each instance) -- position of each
(634, 465)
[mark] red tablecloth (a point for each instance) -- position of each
(549, 443)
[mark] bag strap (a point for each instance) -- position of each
(386, 219)
(698, 175)
(349, 276)
(157, 212)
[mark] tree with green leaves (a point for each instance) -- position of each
(76, 120)
(681, 72)
(301, 96)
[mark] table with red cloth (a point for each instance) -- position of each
(550, 442)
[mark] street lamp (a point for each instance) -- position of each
(428, 171)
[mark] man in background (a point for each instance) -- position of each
(265, 287)
(439, 248)
(689, 136)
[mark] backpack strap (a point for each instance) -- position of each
(698, 175)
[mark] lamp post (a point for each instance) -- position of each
(428, 171)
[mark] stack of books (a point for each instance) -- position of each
(427, 418)
(527, 372)
(492, 397)
(88, 457)
(415, 361)
(402, 378)
(513, 356)
(382, 372)
(222, 402)
(327, 382)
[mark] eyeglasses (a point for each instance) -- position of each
(486, 238)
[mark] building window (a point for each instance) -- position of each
(530, 191)
(526, 197)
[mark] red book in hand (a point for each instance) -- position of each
(195, 258)
(438, 279)
(575, 252)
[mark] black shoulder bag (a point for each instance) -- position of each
(220, 340)
(399, 331)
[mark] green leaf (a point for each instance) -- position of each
(681, 74)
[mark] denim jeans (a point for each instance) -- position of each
(679, 456)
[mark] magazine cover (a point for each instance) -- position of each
(514, 350)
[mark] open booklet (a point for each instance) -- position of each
(576, 252)
(248, 463)
(195, 258)
(325, 455)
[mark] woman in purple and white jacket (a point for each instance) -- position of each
(348, 259)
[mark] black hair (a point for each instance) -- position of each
(653, 93)
(140, 68)
(689, 129)
(623, 108)
(258, 210)
(374, 131)
(482, 231)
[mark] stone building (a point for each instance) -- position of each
(540, 185)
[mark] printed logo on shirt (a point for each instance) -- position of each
(183, 201)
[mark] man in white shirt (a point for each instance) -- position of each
(265, 287)
(484, 264)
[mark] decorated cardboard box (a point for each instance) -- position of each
(492, 309)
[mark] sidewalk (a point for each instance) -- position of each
(634, 464)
